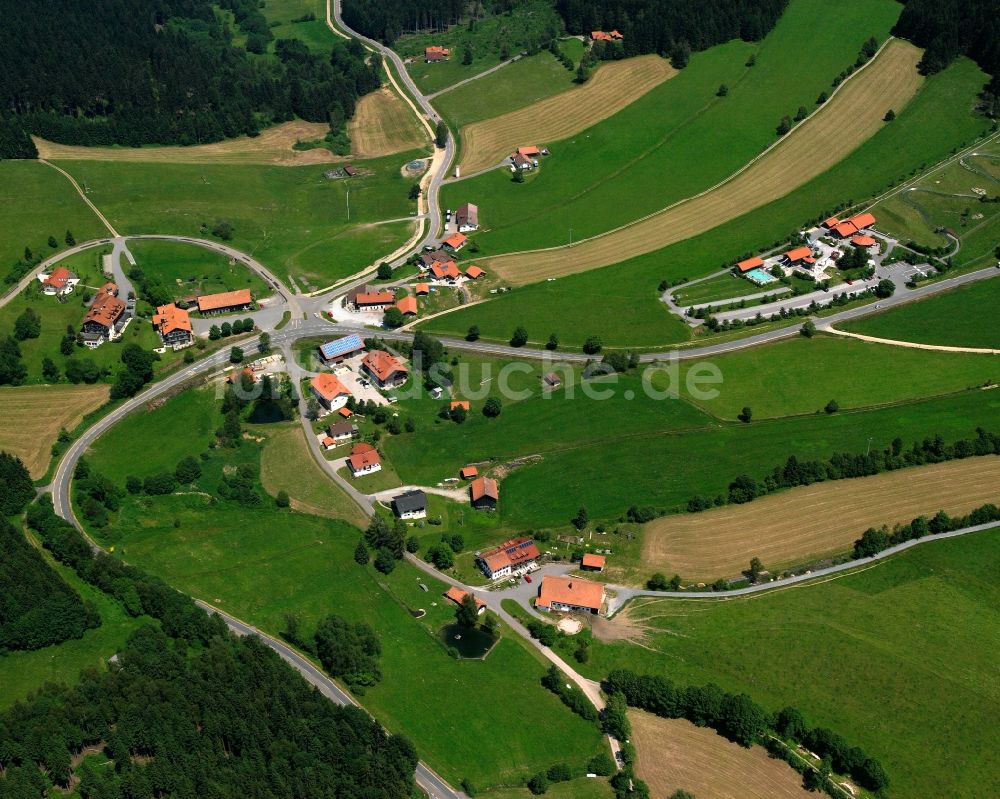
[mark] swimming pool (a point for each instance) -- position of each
(761, 277)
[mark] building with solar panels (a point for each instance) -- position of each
(340, 349)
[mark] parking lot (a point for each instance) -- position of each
(357, 382)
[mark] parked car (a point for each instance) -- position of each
(527, 578)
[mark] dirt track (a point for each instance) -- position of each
(612, 87)
(674, 755)
(853, 115)
(813, 521)
(34, 415)
(382, 125)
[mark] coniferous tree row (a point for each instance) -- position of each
(100, 72)
(950, 28)
(386, 20)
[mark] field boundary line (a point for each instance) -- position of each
(913, 344)
(710, 189)
(83, 196)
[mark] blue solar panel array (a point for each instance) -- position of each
(341, 346)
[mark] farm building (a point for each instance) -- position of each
(594, 563)
(58, 282)
(513, 557)
(569, 594)
(446, 271)
(410, 505)
(467, 217)
(863, 241)
(436, 53)
(750, 263)
(341, 431)
(474, 272)
(468, 472)
(384, 369)
(374, 301)
(421, 289)
(173, 324)
(225, 302)
(364, 459)
(552, 381)
(407, 305)
(428, 259)
(457, 595)
(606, 36)
(485, 493)
(455, 242)
(521, 162)
(831, 223)
(337, 350)
(104, 319)
(853, 226)
(350, 171)
(331, 393)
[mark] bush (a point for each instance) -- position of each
(519, 337)
(159, 484)
(282, 500)
(592, 345)
(492, 408)
(602, 765)
(538, 784)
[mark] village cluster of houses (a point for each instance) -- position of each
(173, 323)
(805, 256)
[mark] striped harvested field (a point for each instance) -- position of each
(382, 125)
(272, 146)
(612, 87)
(674, 754)
(814, 521)
(34, 415)
(851, 116)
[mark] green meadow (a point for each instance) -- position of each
(517, 85)
(261, 563)
(189, 270)
(293, 219)
(23, 673)
(937, 122)
(896, 657)
(958, 318)
(678, 139)
(282, 14)
(37, 202)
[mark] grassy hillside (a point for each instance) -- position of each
(293, 219)
(935, 123)
(678, 139)
(891, 657)
(188, 270)
(954, 319)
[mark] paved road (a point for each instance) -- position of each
(426, 779)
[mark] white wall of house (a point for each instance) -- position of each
(370, 469)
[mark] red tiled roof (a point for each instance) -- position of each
(485, 487)
(474, 272)
(593, 561)
(346, 412)
(169, 318)
(570, 591)
(328, 386)
(600, 36)
(460, 404)
(374, 298)
(798, 254)
(750, 263)
(863, 241)
(407, 305)
(844, 229)
(456, 595)
(455, 241)
(513, 553)
(381, 364)
(362, 460)
(105, 310)
(361, 448)
(226, 299)
(529, 151)
(328, 442)
(861, 221)
(58, 277)
(449, 270)
(828, 223)
(468, 471)
(422, 288)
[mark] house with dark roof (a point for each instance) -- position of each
(513, 557)
(467, 217)
(410, 505)
(341, 431)
(340, 349)
(428, 259)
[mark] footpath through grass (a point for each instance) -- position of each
(954, 319)
(261, 563)
(678, 139)
(894, 657)
(294, 219)
(937, 122)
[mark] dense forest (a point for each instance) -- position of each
(387, 20)
(37, 608)
(672, 26)
(229, 719)
(950, 28)
(99, 72)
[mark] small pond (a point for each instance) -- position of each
(472, 643)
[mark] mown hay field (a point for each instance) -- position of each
(813, 521)
(287, 465)
(849, 118)
(612, 87)
(34, 415)
(674, 754)
(272, 146)
(383, 125)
